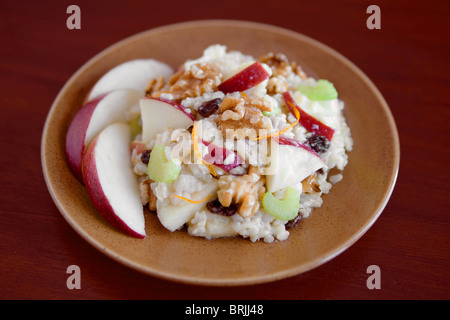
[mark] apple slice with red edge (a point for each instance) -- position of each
(132, 74)
(245, 79)
(218, 156)
(293, 162)
(110, 180)
(310, 123)
(158, 114)
(93, 117)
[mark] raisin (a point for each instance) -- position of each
(216, 207)
(294, 222)
(209, 107)
(318, 143)
(145, 156)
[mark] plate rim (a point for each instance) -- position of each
(296, 270)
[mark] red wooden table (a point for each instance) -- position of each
(407, 59)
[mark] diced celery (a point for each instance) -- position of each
(285, 209)
(324, 90)
(275, 111)
(159, 168)
(135, 127)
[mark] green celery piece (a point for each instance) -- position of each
(286, 209)
(277, 110)
(324, 90)
(135, 127)
(159, 168)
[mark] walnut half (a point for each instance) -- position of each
(242, 117)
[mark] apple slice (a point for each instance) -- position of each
(133, 74)
(92, 118)
(293, 161)
(222, 158)
(111, 182)
(310, 123)
(158, 114)
(245, 79)
(174, 217)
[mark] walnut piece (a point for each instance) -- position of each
(280, 65)
(244, 191)
(199, 79)
(277, 85)
(298, 70)
(310, 184)
(155, 86)
(146, 193)
(242, 117)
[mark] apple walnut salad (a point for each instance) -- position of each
(226, 145)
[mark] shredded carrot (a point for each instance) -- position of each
(195, 141)
(197, 151)
(211, 169)
(297, 119)
(189, 200)
(158, 94)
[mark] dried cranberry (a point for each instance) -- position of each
(318, 143)
(145, 156)
(209, 107)
(216, 207)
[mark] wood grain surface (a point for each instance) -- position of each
(407, 59)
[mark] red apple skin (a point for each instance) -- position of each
(97, 195)
(175, 104)
(291, 142)
(310, 123)
(75, 137)
(217, 155)
(246, 79)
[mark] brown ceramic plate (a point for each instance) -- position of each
(348, 211)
